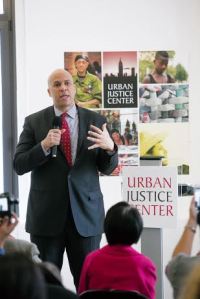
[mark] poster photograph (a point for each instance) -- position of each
(162, 67)
(171, 141)
(85, 68)
(120, 79)
(164, 103)
(123, 127)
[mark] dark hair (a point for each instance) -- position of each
(123, 224)
(81, 56)
(20, 278)
(51, 273)
(162, 55)
(115, 131)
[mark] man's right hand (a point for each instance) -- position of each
(52, 138)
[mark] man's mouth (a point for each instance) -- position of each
(64, 96)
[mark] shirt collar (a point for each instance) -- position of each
(71, 112)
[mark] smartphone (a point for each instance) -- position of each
(197, 197)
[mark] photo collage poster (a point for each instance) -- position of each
(144, 96)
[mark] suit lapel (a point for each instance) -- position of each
(49, 116)
(83, 128)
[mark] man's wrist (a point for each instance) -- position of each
(115, 149)
(44, 146)
(191, 227)
(46, 151)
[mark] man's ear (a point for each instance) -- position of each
(49, 92)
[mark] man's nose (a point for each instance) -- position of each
(164, 66)
(63, 86)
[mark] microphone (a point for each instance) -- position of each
(56, 125)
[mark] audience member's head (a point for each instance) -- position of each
(51, 273)
(123, 224)
(20, 278)
(191, 288)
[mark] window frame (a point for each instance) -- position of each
(9, 103)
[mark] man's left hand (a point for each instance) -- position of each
(101, 138)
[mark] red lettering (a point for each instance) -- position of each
(169, 210)
(148, 182)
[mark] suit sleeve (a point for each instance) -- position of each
(29, 153)
(107, 161)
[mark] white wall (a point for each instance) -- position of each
(47, 28)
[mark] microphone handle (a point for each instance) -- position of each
(55, 147)
(54, 151)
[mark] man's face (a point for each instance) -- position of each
(62, 90)
(81, 66)
(161, 65)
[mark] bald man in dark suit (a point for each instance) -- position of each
(65, 206)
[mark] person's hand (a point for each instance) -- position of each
(101, 138)
(52, 138)
(117, 170)
(7, 225)
(192, 213)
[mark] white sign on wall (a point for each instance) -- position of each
(153, 191)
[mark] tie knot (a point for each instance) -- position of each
(63, 115)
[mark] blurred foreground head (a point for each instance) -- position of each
(20, 278)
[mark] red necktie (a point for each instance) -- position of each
(65, 142)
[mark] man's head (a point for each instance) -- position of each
(81, 64)
(161, 61)
(123, 224)
(61, 89)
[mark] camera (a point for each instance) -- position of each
(8, 205)
(197, 197)
(197, 201)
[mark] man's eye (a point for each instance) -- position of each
(56, 84)
(68, 83)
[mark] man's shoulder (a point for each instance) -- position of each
(170, 79)
(90, 76)
(149, 79)
(41, 113)
(181, 262)
(90, 113)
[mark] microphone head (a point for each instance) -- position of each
(57, 122)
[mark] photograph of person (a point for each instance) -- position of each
(122, 124)
(162, 67)
(85, 68)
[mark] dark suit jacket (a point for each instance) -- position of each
(54, 184)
